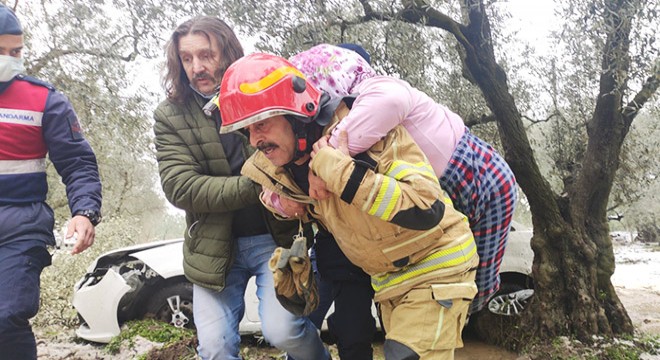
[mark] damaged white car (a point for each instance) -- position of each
(147, 281)
(131, 283)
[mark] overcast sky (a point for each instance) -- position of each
(536, 17)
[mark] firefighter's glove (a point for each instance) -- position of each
(295, 286)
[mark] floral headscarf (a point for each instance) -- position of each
(333, 69)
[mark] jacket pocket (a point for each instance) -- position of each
(192, 233)
(401, 251)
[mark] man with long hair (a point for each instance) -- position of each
(227, 240)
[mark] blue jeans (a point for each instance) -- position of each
(21, 264)
(217, 314)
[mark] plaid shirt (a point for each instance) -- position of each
(483, 187)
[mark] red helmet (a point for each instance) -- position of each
(260, 86)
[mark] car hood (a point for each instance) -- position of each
(165, 256)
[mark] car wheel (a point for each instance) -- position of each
(493, 322)
(172, 304)
(510, 300)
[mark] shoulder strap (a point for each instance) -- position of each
(36, 81)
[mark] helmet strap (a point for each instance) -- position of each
(309, 130)
(300, 133)
(306, 134)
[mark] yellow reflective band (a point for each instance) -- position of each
(388, 195)
(441, 259)
(401, 169)
(270, 79)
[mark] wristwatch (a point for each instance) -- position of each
(93, 216)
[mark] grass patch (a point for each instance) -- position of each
(151, 330)
(626, 348)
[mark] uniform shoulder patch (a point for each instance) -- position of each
(76, 129)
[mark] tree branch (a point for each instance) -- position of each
(416, 12)
(472, 119)
(536, 121)
(649, 88)
(14, 7)
(370, 14)
(55, 54)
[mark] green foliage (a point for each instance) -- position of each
(149, 329)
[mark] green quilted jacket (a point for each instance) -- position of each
(196, 177)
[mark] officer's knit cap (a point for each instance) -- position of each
(358, 49)
(9, 24)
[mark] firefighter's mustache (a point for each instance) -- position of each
(263, 146)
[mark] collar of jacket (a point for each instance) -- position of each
(5, 85)
(275, 178)
(198, 99)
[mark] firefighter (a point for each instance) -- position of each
(386, 210)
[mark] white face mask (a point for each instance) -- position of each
(9, 67)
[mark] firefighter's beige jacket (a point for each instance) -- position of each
(387, 212)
